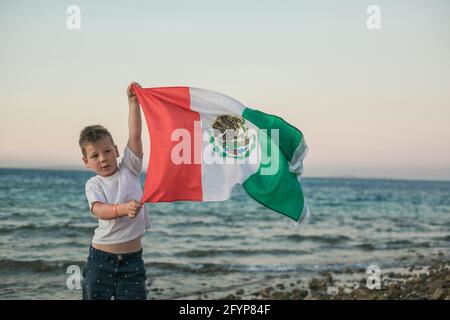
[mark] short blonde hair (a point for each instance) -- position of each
(92, 134)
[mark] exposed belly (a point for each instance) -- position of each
(124, 247)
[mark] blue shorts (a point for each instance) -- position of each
(114, 276)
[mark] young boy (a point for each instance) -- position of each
(115, 268)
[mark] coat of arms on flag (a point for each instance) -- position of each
(230, 137)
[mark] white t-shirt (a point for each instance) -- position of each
(120, 187)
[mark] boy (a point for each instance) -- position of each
(115, 268)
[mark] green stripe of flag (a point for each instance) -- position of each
(290, 137)
(281, 191)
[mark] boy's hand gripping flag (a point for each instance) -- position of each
(203, 143)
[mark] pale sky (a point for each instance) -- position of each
(371, 103)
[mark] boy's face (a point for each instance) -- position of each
(101, 157)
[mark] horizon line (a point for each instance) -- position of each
(349, 177)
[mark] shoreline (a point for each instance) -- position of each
(430, 282)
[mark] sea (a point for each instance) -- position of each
(199, 250)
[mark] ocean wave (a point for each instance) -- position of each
(47, 229)
(366, 247)
(36, 265)
(167, 267)
(393, 245)
(191, 237)
(400, 244)
(321, 239)
(238, 252)
(443, 238)
(174, 267)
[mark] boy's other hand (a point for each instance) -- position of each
(132, 208)
(130, 91)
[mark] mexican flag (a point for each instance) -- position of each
(203, 143)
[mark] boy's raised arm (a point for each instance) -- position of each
(134, 122)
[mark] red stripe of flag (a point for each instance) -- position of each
(165, 110)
